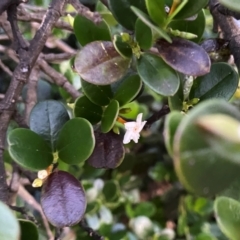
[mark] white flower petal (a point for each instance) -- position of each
(130, 125)
(127, 137)
(135, 137)
(139, 118)
(142, 125)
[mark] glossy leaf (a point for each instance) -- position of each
(86, 31)
(100, 95)
(122, 12)
(192, 7)
(231, 4)
(148, 22)
(108, 152)
(156, 10)
(194, 158)
(156, 74)
(122, 47)
(47, 118)
(110, 116)
(184, 56)
(29, 150)
(28, 230)
(63, 199)
(221, 82)
(196, 26)
(84, 108)
(9, 227)
(228, 217)
(128, 90)
(143, 34)
(172, 122)
(76, 141)
(99, 63)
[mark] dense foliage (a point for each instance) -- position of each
(119, 119)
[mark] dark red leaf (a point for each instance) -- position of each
(184, 56)
(63, 199)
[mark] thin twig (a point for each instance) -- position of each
(90, 231)
(5, 68)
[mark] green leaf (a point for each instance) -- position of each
(156, 10)
(122, 47)
(110, 116)
(147, 209)
(184, 56)
(28, 230)
(231, 4)
(227, 212)
(110, 191)
(108, 152)
(100, 64)
(143, 34)
(122, 12)
(29, 150)
(84, 108)
(172, 122)
(9, 227)
(192, 7)
(148, 22)
(201, 169)
(195, 26)
(65, 194)
(128, 90)
(158, 75)
(86, 31)
(76, 141)
(221, 82)
(46, 119)
(100, 95)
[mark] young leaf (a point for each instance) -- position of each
(76, 141)
(158, 75)
(29, 150)
(100, 95)
(227, 215)
(122, 47)
(46, 119)
(100, 64)
(86, 31)
(108, 152)
(63, 199)
(84, 108)
(221, 82)
(110, 116)
(9, 227)
(184, 56)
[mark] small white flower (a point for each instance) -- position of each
(133, 129)
(42, 174)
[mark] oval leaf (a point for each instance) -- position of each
(100, 95)
(29, 150)
(84, 108)
(158, 75)
(9, 227)
(46, 119)
(110, 116)
(86, 31)
(201, 169)
(108, 152)
(122, 12)
(28, 230)
(128, 90)
(99, 63)
(76, 141)
(143, 34)
(227, 215)
(184, 56)
(122, 47)
(221, 82)
(63, 199)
